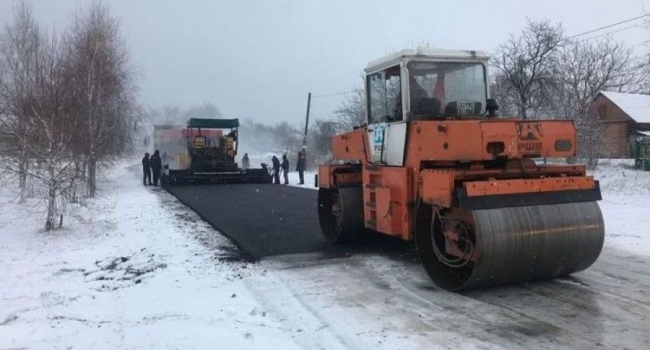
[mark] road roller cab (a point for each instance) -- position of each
(437, 165)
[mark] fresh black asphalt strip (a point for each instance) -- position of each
(269, 220)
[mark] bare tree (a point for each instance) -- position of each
(104, 87)
(205, 110)
(287, 137)
(172, 115)
(586, 68)
(162, 115)
(501, 91)
(320, 141)
(63, 100)
(524, 65)
(37, 95)
(52, 127)
(257, 137)
(19, 45)
(352, 111)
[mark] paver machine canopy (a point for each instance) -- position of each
(437, 165)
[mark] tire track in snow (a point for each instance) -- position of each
(382, 314)
(491, 325)
(296, 315)
(543, 314)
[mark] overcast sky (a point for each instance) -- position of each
(259, 59)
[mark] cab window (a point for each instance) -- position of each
(451, 89)
(385, 96)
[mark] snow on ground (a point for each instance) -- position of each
(626, 199)
(133, 269)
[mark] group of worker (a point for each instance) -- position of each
(283, 166)
(151, 165)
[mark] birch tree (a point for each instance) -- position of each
(36, 93)
(103, 85)
(52, 127)
(19, 45)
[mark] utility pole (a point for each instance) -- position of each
(304, 140)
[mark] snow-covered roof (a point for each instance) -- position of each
(440, 54)
(637, 106)
(646, 133)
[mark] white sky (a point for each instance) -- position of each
(258, 59)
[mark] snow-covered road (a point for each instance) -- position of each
(134, 269)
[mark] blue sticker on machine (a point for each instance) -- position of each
(379, 135)
(378, 139)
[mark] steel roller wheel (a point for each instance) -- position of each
(507, 245)
(340, 213)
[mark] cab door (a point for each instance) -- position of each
(387, 127)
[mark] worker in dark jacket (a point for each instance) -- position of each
(245, 162)
(276, 170)
(285, 169)
(146, 170)
(301, 165)
(156, 166)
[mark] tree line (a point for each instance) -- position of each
(67, 103)
(175, 115)
(286, 138)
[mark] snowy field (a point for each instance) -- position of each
(626, 202)
(133, 269)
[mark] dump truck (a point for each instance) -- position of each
(435, 164)
(203, 151)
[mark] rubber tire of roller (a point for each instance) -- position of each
(351, 221)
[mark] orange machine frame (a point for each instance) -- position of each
(448, 163)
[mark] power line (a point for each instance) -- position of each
(337, 93)
(608, 26)
(614, 31)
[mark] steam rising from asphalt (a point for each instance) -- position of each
(259, 146)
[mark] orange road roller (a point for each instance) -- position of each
(435, 164)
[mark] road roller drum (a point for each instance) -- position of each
(511, 244)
